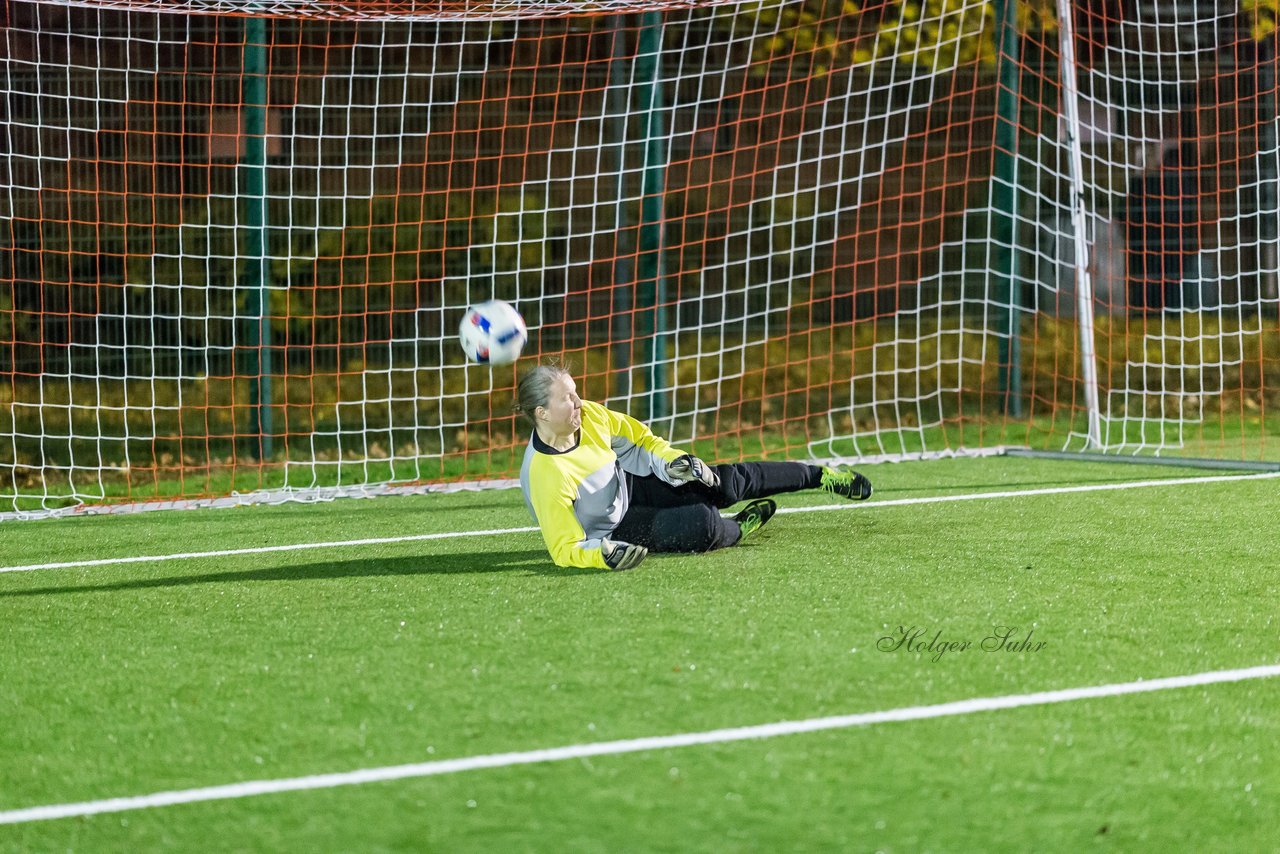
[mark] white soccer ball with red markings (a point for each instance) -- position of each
(492, 333)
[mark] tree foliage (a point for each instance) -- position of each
(1263, 17)
(934, 34)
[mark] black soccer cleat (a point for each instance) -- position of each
(846, 482)
(752, 517)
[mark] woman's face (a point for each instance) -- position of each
(562, 414)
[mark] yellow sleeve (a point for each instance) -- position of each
(638, 434)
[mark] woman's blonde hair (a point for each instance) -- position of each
(534, 388)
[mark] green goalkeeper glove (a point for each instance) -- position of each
(622, 556)
(688, 468)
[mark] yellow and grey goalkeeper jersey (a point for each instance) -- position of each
(579, 496)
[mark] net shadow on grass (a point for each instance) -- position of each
(528, 562)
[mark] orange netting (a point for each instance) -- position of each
(237, 249)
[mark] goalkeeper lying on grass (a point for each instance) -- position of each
(606, 491)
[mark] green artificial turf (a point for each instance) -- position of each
(127, 679)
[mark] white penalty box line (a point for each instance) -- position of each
(258, 550)
(436, 768)
(869, 505)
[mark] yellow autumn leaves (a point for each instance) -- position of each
(937, 35)
(1263, 15)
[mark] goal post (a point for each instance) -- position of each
(1079, 230)
(234, 249)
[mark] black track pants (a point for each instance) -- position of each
(686, 518)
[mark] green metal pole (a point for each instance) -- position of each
(1005, 200)
(624, 270)
(651, 268)
(254, 167)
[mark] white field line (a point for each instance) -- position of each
(635, 745)
(257, 550)
(1026, 493)
(869, 505)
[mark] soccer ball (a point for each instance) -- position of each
(492, 333)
